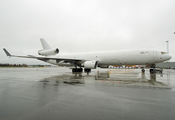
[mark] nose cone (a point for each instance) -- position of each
(168, 57)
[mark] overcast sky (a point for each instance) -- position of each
(85, 25)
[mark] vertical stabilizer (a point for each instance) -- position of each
(45, 44)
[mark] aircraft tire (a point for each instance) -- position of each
(87, 70)
(143, 70)
(77, 70)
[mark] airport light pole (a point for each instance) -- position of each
(167, 53)
(167, 47)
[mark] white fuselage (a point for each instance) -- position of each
(117, 57)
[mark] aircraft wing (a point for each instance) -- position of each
(46, 58)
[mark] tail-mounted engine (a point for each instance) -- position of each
(48, 52)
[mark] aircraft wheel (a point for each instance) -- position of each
(143, 70)
(87, 70)
(77, 70)
(152, 70)
(73, 69)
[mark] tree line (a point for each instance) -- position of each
(12, 65)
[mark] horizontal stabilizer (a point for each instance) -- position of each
(7, 53)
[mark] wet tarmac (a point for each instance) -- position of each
(56, 93)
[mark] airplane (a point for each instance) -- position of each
(102, 59)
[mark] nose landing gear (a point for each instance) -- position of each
(153, 68)
(143, 70)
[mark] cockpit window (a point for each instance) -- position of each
(163, 53)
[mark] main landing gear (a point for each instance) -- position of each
(80, 70)
(77, 69)
(87, 70)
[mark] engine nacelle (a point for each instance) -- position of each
(48, 52)
(90, 64)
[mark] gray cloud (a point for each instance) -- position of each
(78, 26)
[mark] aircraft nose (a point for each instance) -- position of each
(168, 57)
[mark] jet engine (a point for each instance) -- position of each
(48, 52)
(90, 64)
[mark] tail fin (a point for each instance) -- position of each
(45, 44)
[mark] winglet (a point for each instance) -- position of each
(7, 53)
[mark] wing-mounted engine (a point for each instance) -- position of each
(48, 52)
(90, 64)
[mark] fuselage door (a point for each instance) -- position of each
(154, 54)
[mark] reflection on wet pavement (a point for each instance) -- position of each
(72, 79)
(133, 77)
(120, 77)
(56, 93)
